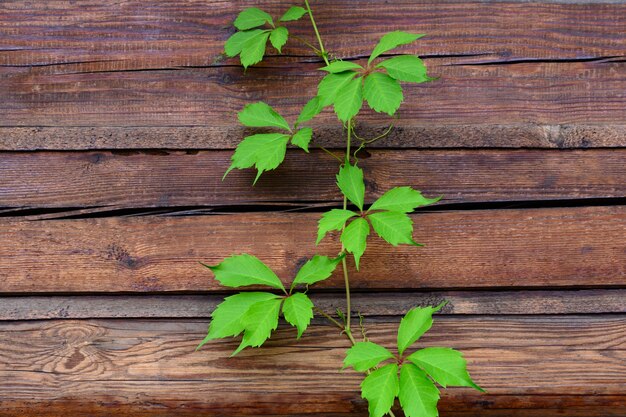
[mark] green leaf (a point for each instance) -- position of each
(354, 238)
(331, 84)
(402, 200)
(294, 13)
(365, 355)
(226, 319)
(251, 18)
(414, 324)
(341, 66)
(259, 322)
(349, 100)
(393, 227)
(311, 109)
(236, 42)
(316, 269)
(333, 220)
(298, 311)
(278, 37)
(253, 50)
(446, 366)
(418, 395)
(264, 151)
(383, 93)
(261, 115)
(242, 270)
(380, 389)
(302, 138)
(407, 68)
(392, 40)
(350, 182)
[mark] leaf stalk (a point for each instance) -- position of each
(344, 264)
(322, 51)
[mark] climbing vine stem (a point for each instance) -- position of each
(344, 264)
(322, 51)
(408, 374)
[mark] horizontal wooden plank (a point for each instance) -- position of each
(577, 406)
(530, 102)
(177, 178)
(150, 368)
(171, 33)
(530, 135)
(582, 247)
(128, 74)
(367, 304)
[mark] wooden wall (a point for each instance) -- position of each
(117, 121)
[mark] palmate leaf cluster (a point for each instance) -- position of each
(265, 151)
(255, 314)
(345, 88)
(348, 84)
(388, 216)
(256, 27)
(410, 378)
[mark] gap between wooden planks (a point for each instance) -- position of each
(556, 247)
(368, 304)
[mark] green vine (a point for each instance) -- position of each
(409, 375)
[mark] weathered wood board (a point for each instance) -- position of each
(513, 73)
(110, 181)
(117, 122)
(573, 247)
(136, 367)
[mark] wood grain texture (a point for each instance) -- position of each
(169, 179)
(367, 304)
(544, 406)
(519, 95)
(145, 367)
(101, 316)
(515, 94)
(467, 249)
(132, 72)
(175, 32)
(529, 135)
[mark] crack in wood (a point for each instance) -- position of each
(306, 59)
(61, 213)
(600, 59)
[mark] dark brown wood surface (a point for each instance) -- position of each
(118, 119)
(580, 247)
(384, 304)
(123, 75)
(110, 181)
(105, 364)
